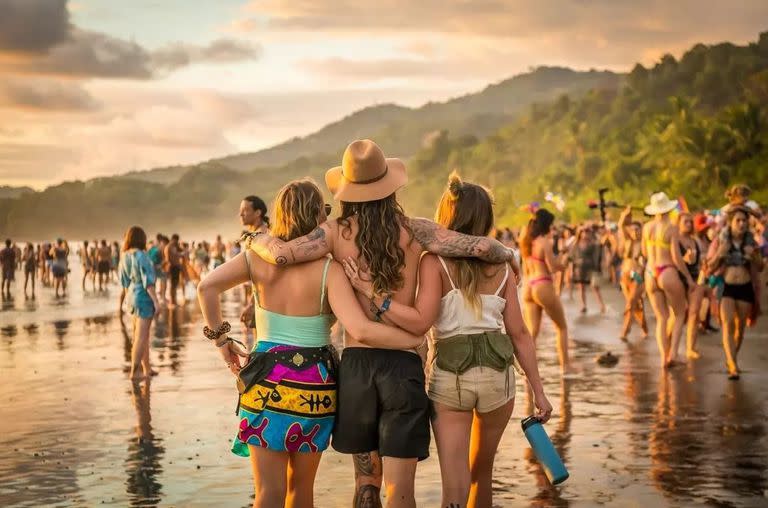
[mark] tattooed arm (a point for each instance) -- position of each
(313, 246)
(444, 242)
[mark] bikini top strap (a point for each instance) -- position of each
(445, 267)
(504, 280)
(322, 287)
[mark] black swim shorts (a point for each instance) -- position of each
(175, 272)
(382, 404)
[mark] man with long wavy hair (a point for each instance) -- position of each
(382, 416)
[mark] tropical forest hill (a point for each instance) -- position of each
(690, 127)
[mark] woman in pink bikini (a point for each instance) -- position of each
(539, 295)
(661, 247)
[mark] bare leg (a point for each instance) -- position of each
(452, 430)
(626, 290)
(302, 469)
(399, 479)
(743, 310)
(544, 295)
(660, 309)
(269, 477)
(368, 477)
(599, 296)
(533, 312)
(728, 325)
(140, 343)
(487, 430)
(677, 299)
(692, 333)
(583, 294)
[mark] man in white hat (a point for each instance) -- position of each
(383, 410)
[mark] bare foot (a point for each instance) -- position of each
(671, 364)
(692, 354)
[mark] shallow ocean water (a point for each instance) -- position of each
(75, 432)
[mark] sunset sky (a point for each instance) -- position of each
(100, 87)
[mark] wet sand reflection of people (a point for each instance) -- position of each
(548, 494)
(143, 463)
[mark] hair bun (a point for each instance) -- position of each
(454, 183)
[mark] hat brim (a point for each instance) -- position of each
(351, 192)
(657, 210)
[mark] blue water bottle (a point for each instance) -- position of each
(544, 450)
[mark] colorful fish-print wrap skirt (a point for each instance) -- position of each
(289, 411)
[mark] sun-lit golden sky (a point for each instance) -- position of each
(100, 87)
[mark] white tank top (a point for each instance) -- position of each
(458, 318)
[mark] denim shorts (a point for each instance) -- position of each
(143, 307)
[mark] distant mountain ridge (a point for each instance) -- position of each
(400, 130)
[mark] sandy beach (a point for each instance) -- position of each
(75, 432)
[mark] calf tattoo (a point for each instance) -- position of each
(367, 496)
(364, 464)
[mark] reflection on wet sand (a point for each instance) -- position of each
(629, 434)
(143, 463)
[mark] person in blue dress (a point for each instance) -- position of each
(137, 277)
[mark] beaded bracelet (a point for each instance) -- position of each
(225, 327)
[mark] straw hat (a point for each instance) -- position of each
(660, 204)
(365, 174)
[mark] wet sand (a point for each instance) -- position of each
(75, 432)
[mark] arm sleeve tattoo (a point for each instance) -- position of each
(444, 242)
(276, 251)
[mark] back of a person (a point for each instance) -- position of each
(293, 290)
(457, 317)
(344, 246)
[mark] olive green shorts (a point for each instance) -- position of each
(480, 388)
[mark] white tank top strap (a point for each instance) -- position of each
(445, 267)
(504, 280)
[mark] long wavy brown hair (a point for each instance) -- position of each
(467, 208)
(378, 239)
(296, 209)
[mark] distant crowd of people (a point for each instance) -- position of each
(48, 261)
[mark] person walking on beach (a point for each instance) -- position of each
(586, 254)
(383, 409)
(60, 266)
(663, 283)
(89, 265)
(8, 265)
(114, 260)
(218, 252)
(469, 305)
(693, 255)
(103, 263)
(734, 256)
(156, 255)
(173, 265)
(283, 434)
(137, 278)
(539, 295)
(632, 270)
(29, 260)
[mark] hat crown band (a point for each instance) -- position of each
(363, 162)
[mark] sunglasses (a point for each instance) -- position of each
(327, 207)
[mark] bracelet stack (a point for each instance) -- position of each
(216, 335)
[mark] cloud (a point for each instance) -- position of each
(219, 51)
(45, 95)
(33, 26)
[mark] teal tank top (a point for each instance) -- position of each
(300, 331)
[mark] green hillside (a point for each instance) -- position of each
(690, 127)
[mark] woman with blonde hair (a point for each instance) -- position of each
(663, 283)
(288, 390)
(477, 328)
